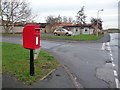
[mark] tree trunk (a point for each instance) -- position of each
(6, 28)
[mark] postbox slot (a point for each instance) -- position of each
(37, 28)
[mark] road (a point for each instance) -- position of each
(115, 51)
(91, 65)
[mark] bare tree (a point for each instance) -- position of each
(14, 11)
(52, 20)
(96, 22)
(0, 10)
(70, 19)
(59, 18)
(65, 19)
(81, 16)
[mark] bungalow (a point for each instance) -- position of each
(77, 28)
(80, 29)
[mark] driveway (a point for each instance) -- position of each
(89, 64)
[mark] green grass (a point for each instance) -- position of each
(15, 62)
(0, 57)
(76, 37)
(10, 34)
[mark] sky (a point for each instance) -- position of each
(109, 16)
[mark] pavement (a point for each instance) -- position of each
(58, 79)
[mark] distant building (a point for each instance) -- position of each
(77, 28)
(111, 30)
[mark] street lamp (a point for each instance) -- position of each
(98, 18)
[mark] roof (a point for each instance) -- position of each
(64, 24)
(43, 25)
(73, 25)
(113, 29)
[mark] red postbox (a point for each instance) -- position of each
(31, 36)
(31, 40)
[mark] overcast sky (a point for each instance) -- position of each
(44, 8)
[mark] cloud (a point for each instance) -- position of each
(45, 8)
(65, 5)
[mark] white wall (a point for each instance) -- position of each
(89, 31)
(76, 31)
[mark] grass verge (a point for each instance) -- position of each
(10, 34)
(15, 62)
(76, 37)
(0, 57)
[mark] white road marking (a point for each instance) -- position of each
(112, 58)
(117, 83)
(113, 64)
(111, 55)
(116, 79)
(110, 51)
(115, 73)
(108, 43)
(103, 46)
(102, 49)
(109, 48)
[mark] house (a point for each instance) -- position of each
(77, 28)
(43, 27)
(50, 28)
(80, 29)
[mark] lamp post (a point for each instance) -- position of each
(97, 19)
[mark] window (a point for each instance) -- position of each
(58, 30)
(76, 30)
(86, 30)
